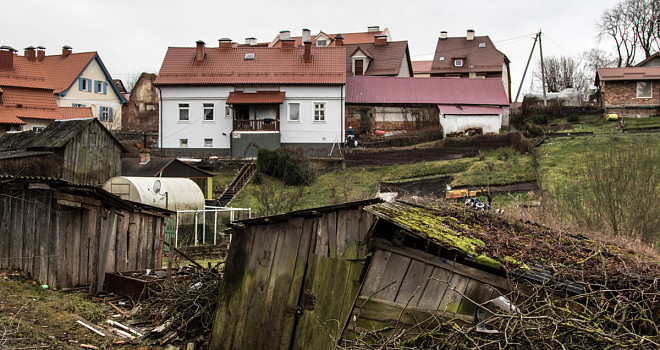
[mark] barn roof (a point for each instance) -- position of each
(155, 167)
(55, 135)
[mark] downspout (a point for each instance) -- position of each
(160, 117)
(343, 107)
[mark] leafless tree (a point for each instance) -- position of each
(565, 72)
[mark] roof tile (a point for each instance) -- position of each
(476, 59)
(386, 59)
(628, 73)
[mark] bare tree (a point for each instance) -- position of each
(565, 72)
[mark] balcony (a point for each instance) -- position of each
(266, 124)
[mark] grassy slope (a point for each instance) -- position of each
(598, 125)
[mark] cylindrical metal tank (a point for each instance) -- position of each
(173, 193)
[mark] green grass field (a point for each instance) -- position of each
(598, 125)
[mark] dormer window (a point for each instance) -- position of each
(359, 67)
(321, 42)
(458, 62)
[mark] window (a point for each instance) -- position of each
(359, 67)
(105, 114)
(183, 142)
(644, 89)
(458, 63)
(294, 112)
(37, 128)
(319, 111)
(99, 87)
(321, 42)
(184, 110)
(208, 142)
(208, 111)
(227, 112)
(84, 84)
(77, 105)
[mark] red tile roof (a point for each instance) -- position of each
(385, 59)
(260, 97)
(349, 38)
(422, 66)
(269, 66)
(14, 97)
(24, 74)
(475, 58)
(396, 90)
(76, 112)
(62, 71)
(628, 73)
(473, 110)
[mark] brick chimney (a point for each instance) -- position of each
(380, 40)
(6, 57)
(339, 40)
(66, 50)
(199, 51)
(373, 29)
(145, 155)
(470, 35)
(41, 53)
(308, 52)
(443, 35)
(31, 53)
(225, 43)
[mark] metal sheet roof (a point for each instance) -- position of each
(397, 90)
(469, 110)
(259, 97)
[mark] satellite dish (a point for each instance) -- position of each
(156, 187)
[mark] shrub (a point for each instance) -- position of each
(292, 175)
(267, 161)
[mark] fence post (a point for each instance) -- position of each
(176, 231)
(215, 226)
(204, 226)
(196, 228)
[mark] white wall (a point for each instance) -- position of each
(306, 130)
(454, 123)
(93, 99)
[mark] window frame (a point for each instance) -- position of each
(324, 41)
(182, 107)
(183, 143)
(104, 114)
(209, 144)
(322, 112)
(288, 114)
(637, 89)
(457, 60)
(98, 86)
(211, 107)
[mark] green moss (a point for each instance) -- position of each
(513, 261)
(488, 261)
(434, 227)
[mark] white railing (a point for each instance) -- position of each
(182, 219)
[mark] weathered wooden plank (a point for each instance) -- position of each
(64, 271)
(16, 249)
(28, 232)
(375, 272)
(331, 231)
(435, 289)
(148, 234)
(132, 248)
(74, 242)
(53, 246)
(94, 228)
(105, 236)
(139, 248)
(414, 282)
(5, 229)
(121, 242)
(44, 224)
(321, 244)
(84, 244)
(393, 277)
(353, 226)
(342, 234)
(454, 295)
(112, 242)
(475, 292)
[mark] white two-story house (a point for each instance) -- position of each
(229, 100)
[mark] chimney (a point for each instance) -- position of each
(306, 35)
(31, 53)
(373, 29)
(225, 43)
(443, 35)
(470, 34)
(251, 41)
(308, 52)
(41, 53)
(199, 52)
(339, 40)
(380, 40)
(285, 35)
(145, 155)
(6, 57)
(66, 50)
(288, 43)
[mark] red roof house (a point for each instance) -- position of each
(629, 91)
(224, 100)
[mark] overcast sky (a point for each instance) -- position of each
(132, 36)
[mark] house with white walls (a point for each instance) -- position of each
(231, 100)
(81, 80)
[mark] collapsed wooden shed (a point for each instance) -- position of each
(65, 235)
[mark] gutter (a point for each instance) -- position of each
(160, 117)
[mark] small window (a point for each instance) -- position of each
(228, 112)
(319, 111)
(183, 142)
(208, 111)
(104, 114)
(359, 67)
(458, 63)
(37, 128)
(98, 86)
(184, 112)
(644, 89)
(294, 112)
(85, 84)
(77, 105)
(249, 56)
(322, 42)
(208, 142)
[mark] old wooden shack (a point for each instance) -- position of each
(66, 235)
(80, 151)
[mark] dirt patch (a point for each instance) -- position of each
(436, 187)
(452, 148)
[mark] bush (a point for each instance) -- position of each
(282, 165)
(573, 118)
(258, 177)
(267, 161)
(539, 118)
(282, 160)
(292, 175)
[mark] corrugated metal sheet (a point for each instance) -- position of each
(628, 73)
(396, 90)
(469, 110)
(174, 193)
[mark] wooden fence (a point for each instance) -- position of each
(66, 236)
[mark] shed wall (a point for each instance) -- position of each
(92, 157)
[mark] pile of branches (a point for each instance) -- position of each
(544, 316)
(183, 308)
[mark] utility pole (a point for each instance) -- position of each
(525, 72)
(545, 99)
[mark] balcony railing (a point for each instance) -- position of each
(266, 124)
